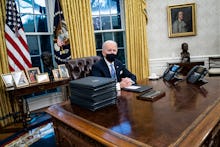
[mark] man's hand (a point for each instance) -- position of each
(125, 82)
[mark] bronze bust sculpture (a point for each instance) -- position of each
(48, 63)
(185, 55)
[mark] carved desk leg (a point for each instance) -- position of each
(27, 112)
(12, 102)
(21, 108)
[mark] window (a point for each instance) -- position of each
(38, 30)
(34, 16)
(108, 23)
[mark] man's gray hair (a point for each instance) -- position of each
(109, 42)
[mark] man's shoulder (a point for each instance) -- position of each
(118, 62)
(100, 62)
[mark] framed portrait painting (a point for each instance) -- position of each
(20, 78)
(181, 20)
(31, 74)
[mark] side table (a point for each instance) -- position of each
(16, 94)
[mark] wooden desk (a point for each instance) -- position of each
(186, 116)
(16, 94)
(186, 67)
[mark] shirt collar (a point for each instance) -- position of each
(107, 62)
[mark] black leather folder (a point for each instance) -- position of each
(141, 88)
(151, 95)
(93, 83)
(91, 105)
(95, 97)
(91, 93)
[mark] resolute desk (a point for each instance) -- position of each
(185, 116)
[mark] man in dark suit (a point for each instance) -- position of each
(109, 66)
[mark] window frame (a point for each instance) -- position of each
(49, 13)
(122, 16)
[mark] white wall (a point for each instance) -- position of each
(163, 49)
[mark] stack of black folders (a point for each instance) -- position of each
(93, 92)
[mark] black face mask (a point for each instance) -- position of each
(111, 57)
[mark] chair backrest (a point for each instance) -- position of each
(81, 67)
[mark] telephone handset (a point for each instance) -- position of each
(171, 72)
(196, 75)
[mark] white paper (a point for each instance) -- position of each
(133, 87)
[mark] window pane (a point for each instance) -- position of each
(28, 22)
(98, 39)
(36, 62)
(96, 23)
(41, 21)
(26, 6)
(33, 45)
(119, 38)
(99, 53)
(106, 19)
(104, 7)
(107, 36)
(45, 43)
(116, 22)
(106, 22)
(121, 55)
(39, 7)
(115, 7)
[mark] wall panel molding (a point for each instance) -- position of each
(159, 65)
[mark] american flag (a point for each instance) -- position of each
(16, 42)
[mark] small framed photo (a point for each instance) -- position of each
(20, 78)
(56, 74)
(63, 71)
(31, 74)
(181, 20)
(8, 80)
(42, 78)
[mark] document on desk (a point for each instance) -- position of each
(133, 87)
(137, 88)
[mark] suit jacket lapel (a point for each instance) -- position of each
(117, 69)
(105, 68)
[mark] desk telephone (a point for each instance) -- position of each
(171, 72)
(196, 75)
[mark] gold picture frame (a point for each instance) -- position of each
(20, 78)
(56, 74)
(63, 71)
(31, 74)
(182, 20)
(8, 80)
(42, 78)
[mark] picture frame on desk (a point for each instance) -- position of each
(56, 74)
(181, 20)
(31, 74)
(42, 78)
(20, 78)
(63, 71)
(8, 80)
